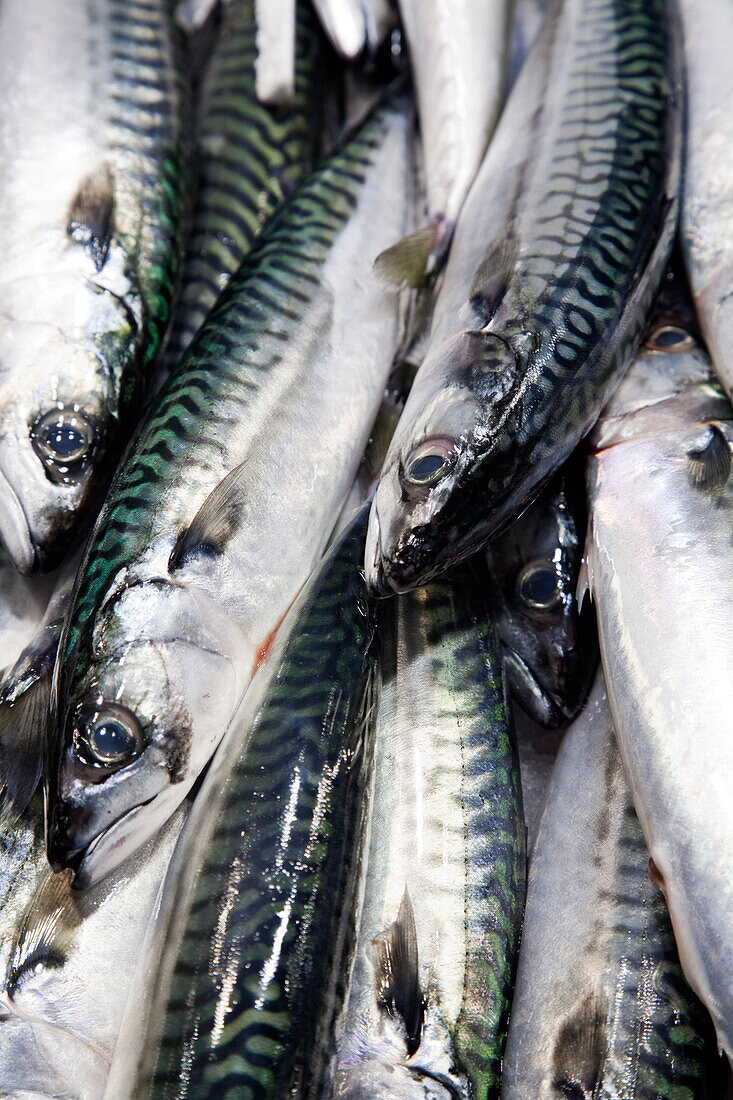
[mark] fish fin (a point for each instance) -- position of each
(709, 466)
(586, 573)
(492, 278)
(580, 1050)
(24, 723)
(90, 214)
(398, 988)
(404, 264)
(47, 929)
(215, 522)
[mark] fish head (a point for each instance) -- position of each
(59, 420)
(431, 508)
(138, 723)
(549, 638)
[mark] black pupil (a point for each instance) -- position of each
(63, 440)
(669, 337)
(111, 738)
(540, 587)
(422, 469)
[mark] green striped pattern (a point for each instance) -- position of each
(145, 134)
(250, 157)
(241, 1015)
(466, 659)
(663, 1045)
(231, 358)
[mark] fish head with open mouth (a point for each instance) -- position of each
(138, 722)
(446, 482)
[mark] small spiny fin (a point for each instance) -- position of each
(24, 725)
(404, 264)
(398, 983)
(215, 522)
(47, 930)
(580, 1050)
(90, 214)
(492, 278)
(709, 466)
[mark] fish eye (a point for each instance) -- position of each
(669, 337)
(430, 461)
(63, 439)
(538, 586)
(108, 735)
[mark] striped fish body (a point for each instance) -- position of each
(707, 207)
(70, 961)
(244, 966)
(559, 248)
(90, 173)
(277, 394)
(446, 832)
(601, 1007)
(251, 157)
(660, 569)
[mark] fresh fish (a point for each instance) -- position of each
(25, 691)
(23, 601)
(249, 938)
(443, 889)
(457, 54)
(559, 249)
(660, 568)
(68, 961)
(251, 158)
(225, 504)
(90, 125)
(550, 645)
(707, 207)
(601, 1007)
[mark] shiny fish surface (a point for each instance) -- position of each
(660, 563)
(188, 576)
(559, 248)
(445, 862)
(90, 129)
(707, 208)
(251, 157)
(601, 1008)
(245, 970)
(550, 645)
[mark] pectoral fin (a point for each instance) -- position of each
(215, 522)
(398, 983)
(90, 215)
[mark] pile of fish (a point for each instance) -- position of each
(366, 582)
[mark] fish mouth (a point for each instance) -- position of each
(528, 692)
(15, 530)
(81, 860)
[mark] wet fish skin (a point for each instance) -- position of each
(244, 964)
(550, 643)
(446, 830)
(660, 504)
(547, 286)
(706, 225)
(92, 116)
(177, 600)
(252, 157)
(601, 1007)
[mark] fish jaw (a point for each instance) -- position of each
(15, 529)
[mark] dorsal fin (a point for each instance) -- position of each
(90, 214)
(580, 1050)
(398, 983)
(215, 522)
(709, 466)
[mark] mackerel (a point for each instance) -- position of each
(225, 504)
(559, 249)
(442, 893)
(90, 178)
(660, 568)
(601, 1007)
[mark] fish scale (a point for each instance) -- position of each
(253, 156)
(216, 369)
(266, 908)
(557, 253)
